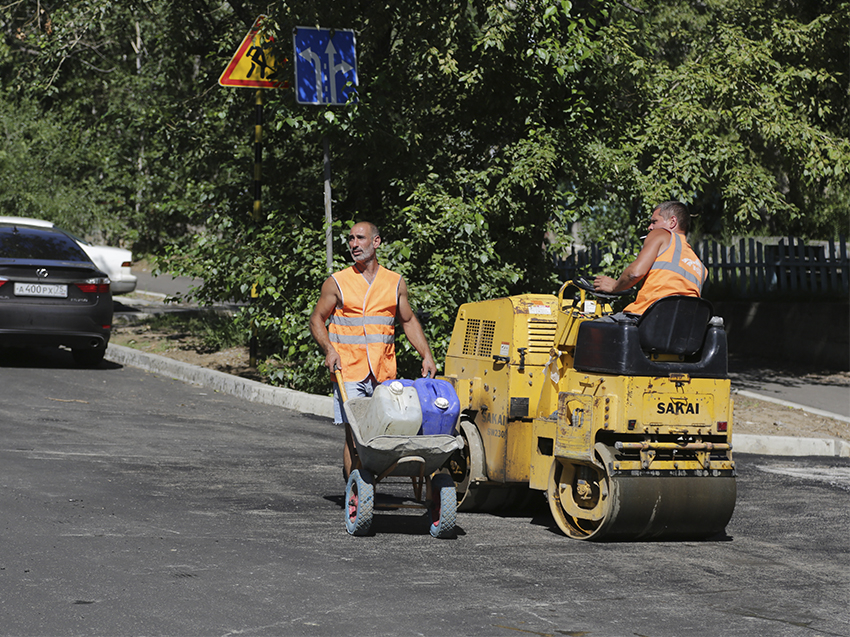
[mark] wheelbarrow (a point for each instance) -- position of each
(419, 457)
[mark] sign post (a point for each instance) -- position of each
(254, 66)
(325, 74)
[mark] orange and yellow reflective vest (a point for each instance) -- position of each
(362, 329)
(677, 270)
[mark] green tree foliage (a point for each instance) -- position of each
(737, 107)
(126, 91)
(29, 145)
(483, 131)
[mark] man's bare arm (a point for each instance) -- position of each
(328, 300)
(654, 244)
(413, 330)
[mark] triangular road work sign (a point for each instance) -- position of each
(253, 65)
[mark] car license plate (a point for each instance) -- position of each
(41, 289)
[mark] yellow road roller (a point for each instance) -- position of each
(627, 428)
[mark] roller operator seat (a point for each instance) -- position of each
(676, 334)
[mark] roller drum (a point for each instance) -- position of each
(668, 507)
(588, 503)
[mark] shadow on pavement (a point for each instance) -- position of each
(45, 358)
(748, 372)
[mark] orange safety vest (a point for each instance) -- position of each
(677, 270)
(362, 329)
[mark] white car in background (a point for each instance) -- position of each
(115, 262)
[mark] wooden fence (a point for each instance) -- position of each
(754, 269)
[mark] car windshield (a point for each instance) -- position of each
(19, 242)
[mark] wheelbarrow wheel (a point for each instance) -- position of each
(444, 506)
(359, 502)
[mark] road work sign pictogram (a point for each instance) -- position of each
(254, 65)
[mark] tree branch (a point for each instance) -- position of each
(632, 8)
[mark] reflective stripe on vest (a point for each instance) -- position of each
(358, 338)
(357, 321)
(362, 329)
(674, 265)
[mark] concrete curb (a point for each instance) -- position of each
(323, 405)
(790, 446)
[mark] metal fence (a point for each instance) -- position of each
(753, 268)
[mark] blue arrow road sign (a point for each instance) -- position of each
(325, 65)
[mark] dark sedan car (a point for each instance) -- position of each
(51, 294)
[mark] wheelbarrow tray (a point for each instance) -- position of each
(402, 455)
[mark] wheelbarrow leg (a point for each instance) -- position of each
(418, 481)
(350, 460)
(349, 452)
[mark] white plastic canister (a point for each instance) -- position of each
(393, 410)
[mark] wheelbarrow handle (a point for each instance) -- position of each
(341, 385)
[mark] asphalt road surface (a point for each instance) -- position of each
(821, 391)
(134, 504)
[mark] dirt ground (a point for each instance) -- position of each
(750, 416)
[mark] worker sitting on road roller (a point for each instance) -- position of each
(666, 264)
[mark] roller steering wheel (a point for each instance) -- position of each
(583, 283)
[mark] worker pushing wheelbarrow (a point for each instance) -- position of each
(353, 322)
(406, 429)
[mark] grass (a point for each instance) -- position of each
(213, 330)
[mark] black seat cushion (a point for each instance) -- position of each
(675, 325)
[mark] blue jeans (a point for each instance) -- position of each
(356, 389)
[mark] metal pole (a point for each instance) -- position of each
(258, 156)
(257, 212)
(328, 217)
